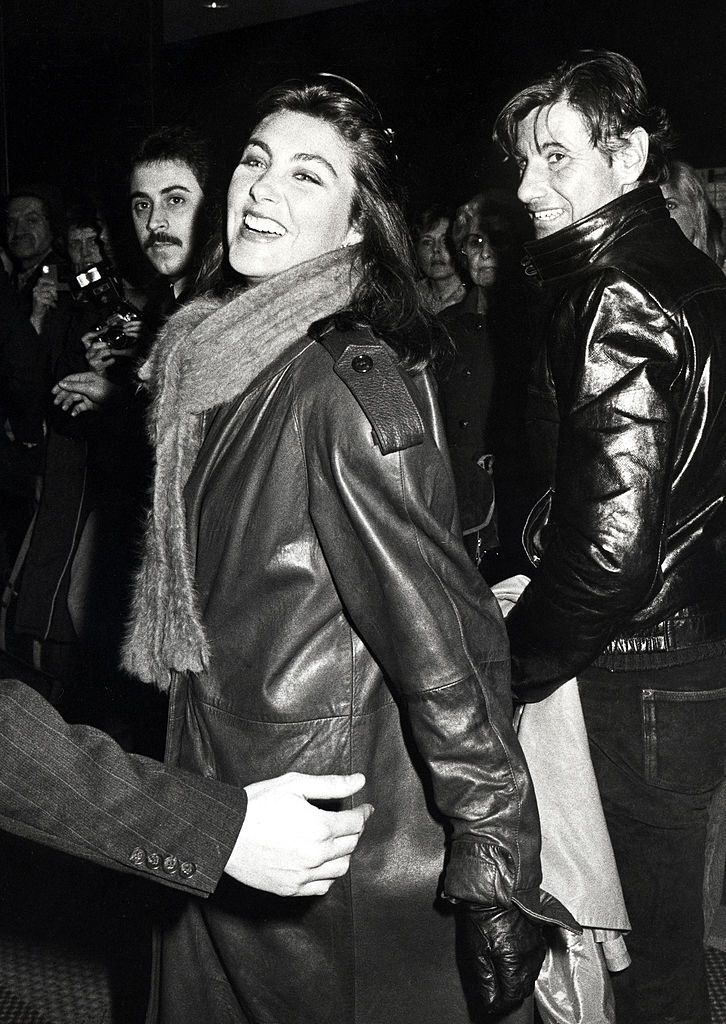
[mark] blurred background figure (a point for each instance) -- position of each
(689, 207)
(441, 284)
(89, 242)
(483, 383)
(701, 224)
(466, 383)
(33, 279)
(21, 423)
(36, 246)
(66, 595)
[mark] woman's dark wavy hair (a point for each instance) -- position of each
(608, 91)
(386, 298)
(179, 144)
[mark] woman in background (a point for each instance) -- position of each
(483, 384)
(689, 207)
(441, 285)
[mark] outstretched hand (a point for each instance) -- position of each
(289, 847)
(82, 392)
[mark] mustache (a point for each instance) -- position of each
(161, 237)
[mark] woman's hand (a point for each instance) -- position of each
(291, 848)
(82, 392)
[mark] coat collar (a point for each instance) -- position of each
(574, 248)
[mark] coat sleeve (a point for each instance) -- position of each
(387, 526)
(73, 788)
(613, 365)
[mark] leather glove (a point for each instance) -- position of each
(500, 955)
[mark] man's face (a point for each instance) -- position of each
(29, 232)
(165, 204)
(563, 177)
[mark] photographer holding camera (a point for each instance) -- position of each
(169, 185)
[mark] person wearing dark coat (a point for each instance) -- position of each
(629, 593)
(22, 386)
(466, 384)
(483, 379)
(305, 598)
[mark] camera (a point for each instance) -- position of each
(100, 288)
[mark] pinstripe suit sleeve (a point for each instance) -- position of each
(73, 788)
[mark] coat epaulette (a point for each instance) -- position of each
(372, 374)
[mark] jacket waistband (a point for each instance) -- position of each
(686, 628)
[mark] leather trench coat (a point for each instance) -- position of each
(348, 632)
(633, 553)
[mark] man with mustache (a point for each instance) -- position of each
(168, 185)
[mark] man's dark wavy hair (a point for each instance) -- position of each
(180, 143)
(608, 92)
(386, 298)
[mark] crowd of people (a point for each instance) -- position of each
(258, 483)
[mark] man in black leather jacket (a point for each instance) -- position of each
(629, 592)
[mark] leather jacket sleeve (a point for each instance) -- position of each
(612, 361)
(387, 528)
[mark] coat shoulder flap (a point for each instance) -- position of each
(371, 372)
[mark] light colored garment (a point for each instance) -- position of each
(578, 864)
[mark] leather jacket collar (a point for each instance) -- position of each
(573, 248)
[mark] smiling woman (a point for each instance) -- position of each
(290, 196)
(306, 596)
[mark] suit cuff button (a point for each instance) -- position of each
(153, 860)
(138, 856)
(170, 864)
(187, 868)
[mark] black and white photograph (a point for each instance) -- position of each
(363, 512)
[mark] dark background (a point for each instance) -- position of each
(85, 79)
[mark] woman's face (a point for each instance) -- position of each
(84, 247)
(290, 197)
(482, 259)
(432, 250)
(680, 210)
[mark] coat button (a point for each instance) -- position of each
(153, 860)
(170, 864)
(138, 856)
(463, 424)
(362, 364)
(187, 868)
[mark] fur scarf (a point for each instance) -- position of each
(208, 354)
